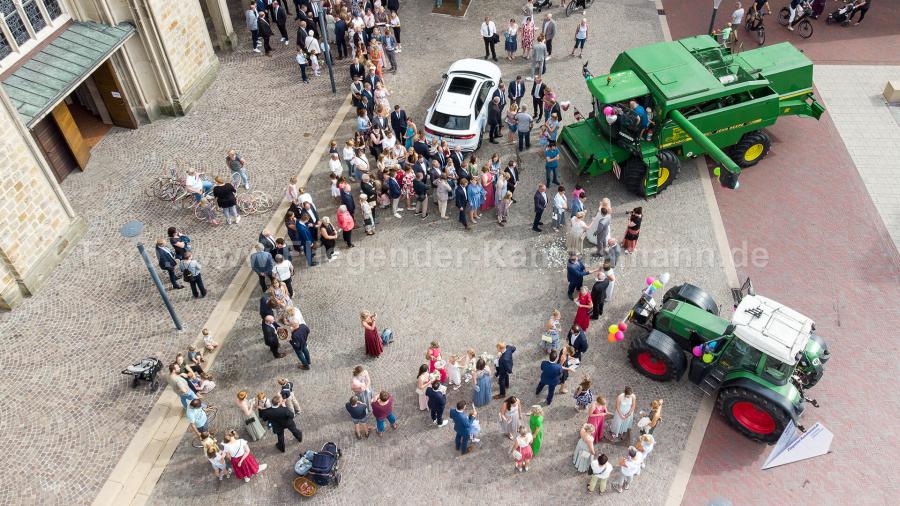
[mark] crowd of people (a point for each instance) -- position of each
(390, 166)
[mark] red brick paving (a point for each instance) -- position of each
(874, 41)
(831, 258)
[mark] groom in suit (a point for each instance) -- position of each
(461, 199)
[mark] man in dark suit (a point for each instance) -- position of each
(575, 273)
(281, 418)
(265, 31)
(167, 262)
(457, 158)
(279, 15)
(493, 120)
(540, 203)
(437, 402)
(299, 341)
(265, 238)
(398, 122)
(578, 341)
(462, 425)
(281, 248)
(441, 158)
(357, 69)
(461, 172)
(368, 98)
(550, 376)
(537, 97)
(270, 336)
(264, 308)
(598, 295)
(516, 90)
(340, 37)
(347, 200)
(306, 240)
(462, 200)
(372, 79)
(504, 367)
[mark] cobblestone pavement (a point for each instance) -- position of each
(99, 312)
(497, 284)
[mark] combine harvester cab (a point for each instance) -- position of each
(702, 99)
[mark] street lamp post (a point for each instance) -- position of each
(132, 230)
(712, 20)
(320, 13)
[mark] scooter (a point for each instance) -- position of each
(540, 5)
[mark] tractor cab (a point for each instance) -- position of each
(623, 108)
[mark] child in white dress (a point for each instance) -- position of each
(335, 192)
(334, 164)
(469, 364)
(208, 341)
(454, 374)
(217, 460)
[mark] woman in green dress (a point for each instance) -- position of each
(537, 427)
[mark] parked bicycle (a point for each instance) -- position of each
(803, 13)
(254, 202)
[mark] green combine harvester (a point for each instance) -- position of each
(703, 99)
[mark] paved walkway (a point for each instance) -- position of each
(869, 131)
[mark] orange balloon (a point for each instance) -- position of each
(611, 338)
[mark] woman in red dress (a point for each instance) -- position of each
(242, 460)
(585, 305)
(487, 182)
(373, 339)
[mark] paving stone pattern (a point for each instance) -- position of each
(502, 285)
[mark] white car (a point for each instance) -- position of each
(459, 112)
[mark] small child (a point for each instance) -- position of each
(332, 147)
(454, 376)
(207, 212)
(384, 200)
(208, 341)
(314, 59)
(368, 218)
(334, 164)
(469, 364)
(287, 393)
(335, 192)
(475, 428)
(503, 209)
(203, 383)
(195, 358)
(217, 460)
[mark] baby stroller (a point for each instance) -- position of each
(842, 15)
(145, 370)
(324, 466)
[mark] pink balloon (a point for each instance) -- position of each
(649, 281)
(697, 351)
(607, 110)
(623, 326)
(619, 336)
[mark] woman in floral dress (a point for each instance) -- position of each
(527, 38)
(406, 191)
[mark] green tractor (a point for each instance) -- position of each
(760, 362)
(669, 101)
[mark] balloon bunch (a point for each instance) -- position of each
(656, 284)
(610, 114)
(705, 351)
(617, 332)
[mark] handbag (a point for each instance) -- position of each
(547, 338)
(187, 275)
(517, 455)
(495, 38)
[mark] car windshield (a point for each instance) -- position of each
(461, 86)
(450, 122)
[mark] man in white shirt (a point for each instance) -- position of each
(283, 270)
(628, 466)
(600, 471)
(196, 185)
(560, 206)
(488, 33)
(738, 15)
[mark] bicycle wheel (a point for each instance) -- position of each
(245, 203)
(263, 202)
(805, 28)
(236, 179)
(570, 9)
(783, 16)
(761, 36)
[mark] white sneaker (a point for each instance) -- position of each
(286, 42)
(256, 50)
(434, 422)
(548, 57)
(397, 215)
(247, 479)
(527, 78)
(237, 219)
(336, 254)
(476, 440)
(444, 423)
(262, 467)
(221, 477)
(228, 220)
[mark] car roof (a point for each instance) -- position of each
(455, 104)
(771, 327)
(481, 68)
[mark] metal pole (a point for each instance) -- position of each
(328, 61)
(712, 20)
(159, 286)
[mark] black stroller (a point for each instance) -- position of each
(145, 370)
(325, 465)
(842, 15)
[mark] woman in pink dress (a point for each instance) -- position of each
(433, 355)
(487, 182)
(527, 37)
(597, 416)
(585, 305)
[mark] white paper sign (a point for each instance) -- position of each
(116, 94)
(794, 446)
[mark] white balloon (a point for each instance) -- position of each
(611, 119)
(664, 278)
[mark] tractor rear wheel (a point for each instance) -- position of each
(633, 174)
(669, 167)
(753, 147)
(659, 363)
(753, 415)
